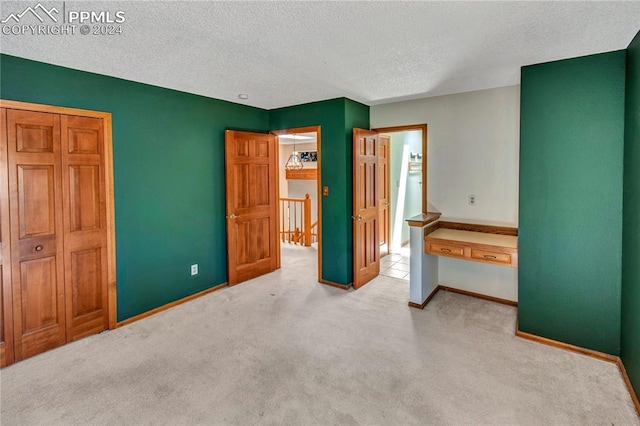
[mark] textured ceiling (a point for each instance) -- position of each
(287, 53)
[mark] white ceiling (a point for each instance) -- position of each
(297, 139)
(288, 53)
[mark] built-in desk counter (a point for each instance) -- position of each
(431, 238)
(473, 245)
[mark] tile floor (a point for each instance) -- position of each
(396, 264)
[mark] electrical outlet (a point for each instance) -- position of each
(472, 200)
(194, 269)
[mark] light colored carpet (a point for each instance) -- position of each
(284, 349)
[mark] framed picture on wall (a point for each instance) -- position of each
(307, 156)
(415, 166)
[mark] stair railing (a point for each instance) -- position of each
(295, 221)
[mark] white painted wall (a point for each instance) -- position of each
(473, 148)
(409, 141)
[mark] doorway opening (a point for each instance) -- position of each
(403, 193)
(299, 202)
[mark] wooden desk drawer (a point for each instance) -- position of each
(446, 250)
(491, 256)
(476, 246)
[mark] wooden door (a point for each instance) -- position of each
(85, 230)
(251, 190)
(6, 311)
(366, 229)
(35, 192)
(385, 197)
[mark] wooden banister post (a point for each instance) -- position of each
(282, 215)
(307, 220)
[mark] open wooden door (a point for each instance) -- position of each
(385, 194)
(366, 228)
(252, 215)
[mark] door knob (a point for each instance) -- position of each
(38, 248)
(356, 217)
(232, 216)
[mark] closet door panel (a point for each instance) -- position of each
(35, 194)
(39, 294)
(36, 197)
(84, 225)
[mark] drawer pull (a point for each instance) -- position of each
(489, 256)
(446, 250)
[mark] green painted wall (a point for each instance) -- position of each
(631, 220)
(336, 117)
(570, 220)
(169, 175)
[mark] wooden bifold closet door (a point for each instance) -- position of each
(57, 228)
(84, 223)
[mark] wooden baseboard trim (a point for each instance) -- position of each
(169, 305)
(427, 300)
(336, 285)
(463, 292)
(479, 296)
(567, 346)
(588, 352)
(627, 381)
